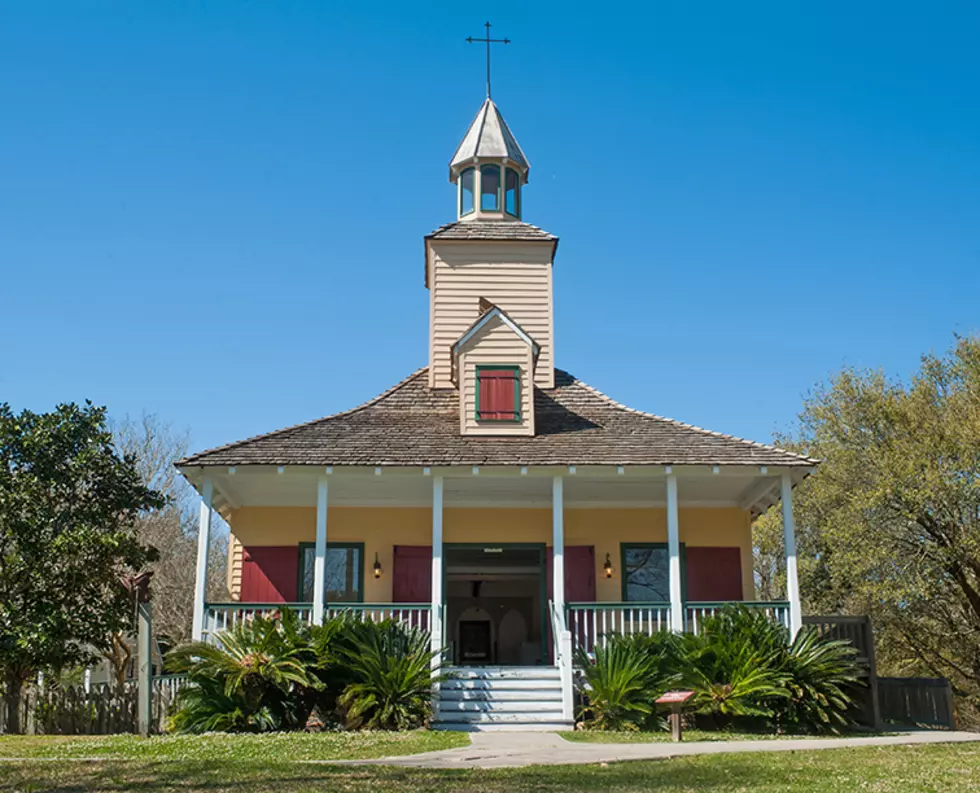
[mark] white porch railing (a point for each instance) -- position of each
(593, 623)
(694, 613)
(222, 616)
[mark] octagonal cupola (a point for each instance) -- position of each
(489, 169)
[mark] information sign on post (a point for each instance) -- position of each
(676, 700)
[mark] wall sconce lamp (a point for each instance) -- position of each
(608, 567)
(377, 566)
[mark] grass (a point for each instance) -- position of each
(588, 736)
(274, 747)
(950, 768)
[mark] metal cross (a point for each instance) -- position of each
(488, 41)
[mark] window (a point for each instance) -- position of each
(646, 572)
(466, 191)
(512, 194)
(490, 188)
(344, 572)
(498, 393)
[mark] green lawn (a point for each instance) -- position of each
(937, 768)
(587, 736)
(275, 747)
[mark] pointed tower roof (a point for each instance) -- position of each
(488, 137)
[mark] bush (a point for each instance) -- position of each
(742, 668)
(623, 681)
(391, 667)
(271, 674)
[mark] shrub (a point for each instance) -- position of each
(821, 675)
(244, 682)
(624, 680)
(391, 667)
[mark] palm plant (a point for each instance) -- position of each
(623, 682)
(734, 665)
(821, 676)
(244, 681)
(391, 670)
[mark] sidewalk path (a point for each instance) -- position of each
(515, 749)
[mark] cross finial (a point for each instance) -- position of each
(488, 41)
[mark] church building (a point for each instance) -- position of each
(491, 497)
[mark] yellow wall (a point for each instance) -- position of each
(381, 528)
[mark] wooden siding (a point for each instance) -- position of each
(516, 276)
(498, 345)
(235, 554)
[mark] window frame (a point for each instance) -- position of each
(500, 188)
(462, 175)
(300, 572)
(517, 193)
(518, 416)
(624, 585)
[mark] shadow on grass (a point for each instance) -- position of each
(681, 774)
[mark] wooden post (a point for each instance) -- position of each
(675, 722)
(145, 656)
(674, 551)
(203, 544)
(320, 560)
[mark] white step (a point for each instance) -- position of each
(500, 685)
(537, 726)
(503, 673)
(446, 707)
(501, 695)
(550, 715)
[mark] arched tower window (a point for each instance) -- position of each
(490, 188)
(512, 193)
(466, 190)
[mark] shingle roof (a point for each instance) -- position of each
(413, 425)
(491, 230)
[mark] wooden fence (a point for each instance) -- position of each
(917, 701)
(857, 631)
(102, 710)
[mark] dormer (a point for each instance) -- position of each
(493, 364)
(489, 169)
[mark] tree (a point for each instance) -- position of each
(69, 502)
(890, 524)
(172, 530)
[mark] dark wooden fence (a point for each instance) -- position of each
(917, 701)
(856, 631)
(104, 709)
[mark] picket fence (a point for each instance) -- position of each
(103, 709)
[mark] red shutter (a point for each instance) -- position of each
(498, 390)
(714, 574)
(411, 579)
(269, 574)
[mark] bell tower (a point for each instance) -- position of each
(489, 275)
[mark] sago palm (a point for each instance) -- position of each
(822, 675)
(391, 667)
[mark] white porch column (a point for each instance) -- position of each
(558, 543)
(203, 544)
(674, 552)
(320, 558)
(789, 540)
(436, 613)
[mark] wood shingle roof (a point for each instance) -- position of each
(413, 425)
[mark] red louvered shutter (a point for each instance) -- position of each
(498, 394)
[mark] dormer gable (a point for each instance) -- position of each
(493, 366)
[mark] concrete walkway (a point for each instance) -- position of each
(515, 749)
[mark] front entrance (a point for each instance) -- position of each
(496, 604)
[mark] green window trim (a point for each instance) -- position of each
(508, 173)
(624, 583)
(498, 194)
(516, 370)
(301, 571)
(471, 172)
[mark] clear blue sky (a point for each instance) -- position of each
(214, 211)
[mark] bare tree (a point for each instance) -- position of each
(172, 531)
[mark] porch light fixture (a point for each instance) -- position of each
(608, 567)
(377, 566)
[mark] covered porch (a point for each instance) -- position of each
(606, 549)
